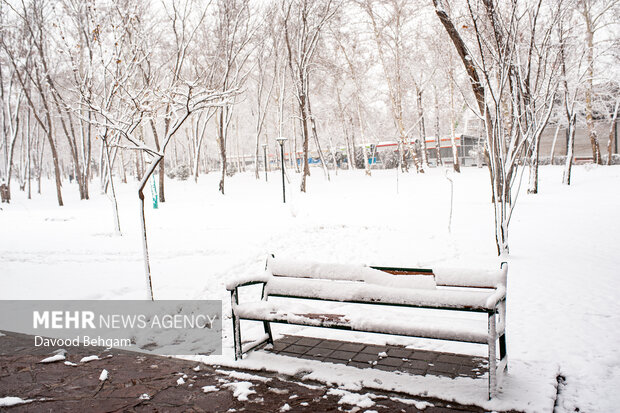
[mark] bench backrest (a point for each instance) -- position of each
(416, 287)
(398, 277)
(456, 277)
(348, 273)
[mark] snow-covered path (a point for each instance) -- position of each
(563, 278)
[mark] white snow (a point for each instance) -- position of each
(562, 279)
(355, 399)
(530, 385)
(68, 363)
(9, 401)
(180, 381)
(54, 358)
(243, 376)
(89, 358)
(420, 405)
(241, 390)
(208, 389)
(350, 291)
(104, 375)
(285, 408)
(470, 277)
(144, 396)
(346, 272)
(237, 280)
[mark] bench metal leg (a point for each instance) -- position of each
(234, 300)
(267, 327)
(492, 354)
(266, 324)
(503, 355)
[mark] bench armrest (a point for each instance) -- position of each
(498, 296)
(242, 281)
(234, 285)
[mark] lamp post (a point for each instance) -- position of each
(281, 141)
(265, 153)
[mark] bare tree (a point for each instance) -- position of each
(11, 103)
(595, 15)
(303, 22)
(268, 49)
(572, 75)
(349, 51)
(612, 125)
(197, 135)
(389, 34)
(502, 86)
(233, 32)
(32, 72)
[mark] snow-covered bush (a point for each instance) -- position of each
(359, 158)
(389, 159)
(231, 170)
(181, 172)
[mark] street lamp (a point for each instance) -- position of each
(265, 153)
(281, 141)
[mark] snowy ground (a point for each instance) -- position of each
(562, 283)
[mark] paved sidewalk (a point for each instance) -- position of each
(174, 385)
(388, 358)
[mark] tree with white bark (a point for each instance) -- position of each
(497, 50)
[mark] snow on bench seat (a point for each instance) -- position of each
(467, 330)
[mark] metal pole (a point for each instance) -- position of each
(282, 163)
(265, 153)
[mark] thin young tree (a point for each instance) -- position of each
(493, 65)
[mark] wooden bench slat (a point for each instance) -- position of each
(373, 293)
(424, 327)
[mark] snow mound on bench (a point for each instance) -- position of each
(469, 277)
(240, 280)
(347, 272)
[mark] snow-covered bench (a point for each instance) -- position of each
(440, 289)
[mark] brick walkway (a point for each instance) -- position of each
(60, 387)
(389, 358)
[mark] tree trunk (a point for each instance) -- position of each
(162, 177)
(568, 164)
(533, 184)
(28, 154)
(422, 129)
(596, 150)
(612, 129)
(297, 164)
(117, 223)
(350, 154)
(555, 139)
(316, 138)
(455, 153)
(221, 141)
(50, 140)
(123, 169)
(437, 130)
(306, 139)
(161, 164)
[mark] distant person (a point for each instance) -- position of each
(5, 194)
